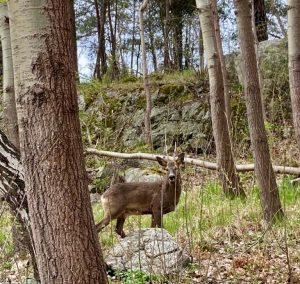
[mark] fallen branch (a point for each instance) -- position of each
(197, 162)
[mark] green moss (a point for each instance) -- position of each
(170, 89)
(140, 102)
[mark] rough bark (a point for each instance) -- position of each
(65, 240)
(148, 134)
(270, 201)
(12, 191)
(9, 104)
(260, 20)
(227, 172)
(197, 162)
(294, 62)
(73, 24)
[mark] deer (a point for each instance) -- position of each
(140, 198)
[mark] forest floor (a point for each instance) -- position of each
(227, 238)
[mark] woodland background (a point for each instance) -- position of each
(239, 226)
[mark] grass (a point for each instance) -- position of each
(205, 221)
(202, 210)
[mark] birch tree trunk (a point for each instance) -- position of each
(148, 135)
(10, 112)
(270, 201)
(294, 61)
(227, 170)
(65, 240)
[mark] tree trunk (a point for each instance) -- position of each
(177, 34)
(256, 44)
(294, 62)
(101, 65)
(222, 61)
(201, 51)
(133, 36)
(9, 112)
(65, 240)
(167, 62)
(261, 21)
(227, 170)
(20, 239)
(115, 72)
(152, 49)
(12, 190)
(270, 201)
(148, 134)
(73, 24)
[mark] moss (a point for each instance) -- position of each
(140, 102)
(129, 79)
(169, 89)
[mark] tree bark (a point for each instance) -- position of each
(227, 171)
(222, 61)
(115, 72)
(270, 201)
(260, 20)
(12, 190)
(65, 240)
(167, 62)
(148, 134)
(9, 112)
(101, 65)
(294, 62)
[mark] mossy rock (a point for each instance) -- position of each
(170, 89)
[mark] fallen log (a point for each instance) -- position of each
(196, 162)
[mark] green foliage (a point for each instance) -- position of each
(136, 277)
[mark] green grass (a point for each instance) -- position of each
(204, 210)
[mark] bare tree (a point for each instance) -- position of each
(148, 136)
(294, 63)
(226, 163)
(66, 244)
(270, 201)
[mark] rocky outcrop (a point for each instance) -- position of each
(150, 250)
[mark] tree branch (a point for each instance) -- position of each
(196, 162)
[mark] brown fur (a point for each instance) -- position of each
(140, 198)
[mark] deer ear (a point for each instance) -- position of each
(162, 161)
(180, 158)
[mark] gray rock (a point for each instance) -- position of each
(136, 174)
(151, 250)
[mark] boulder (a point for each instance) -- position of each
(136, 174)
(150, 250)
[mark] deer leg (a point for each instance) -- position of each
(105, 221)
(157, 219)
(152, 221)
(119, 226)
